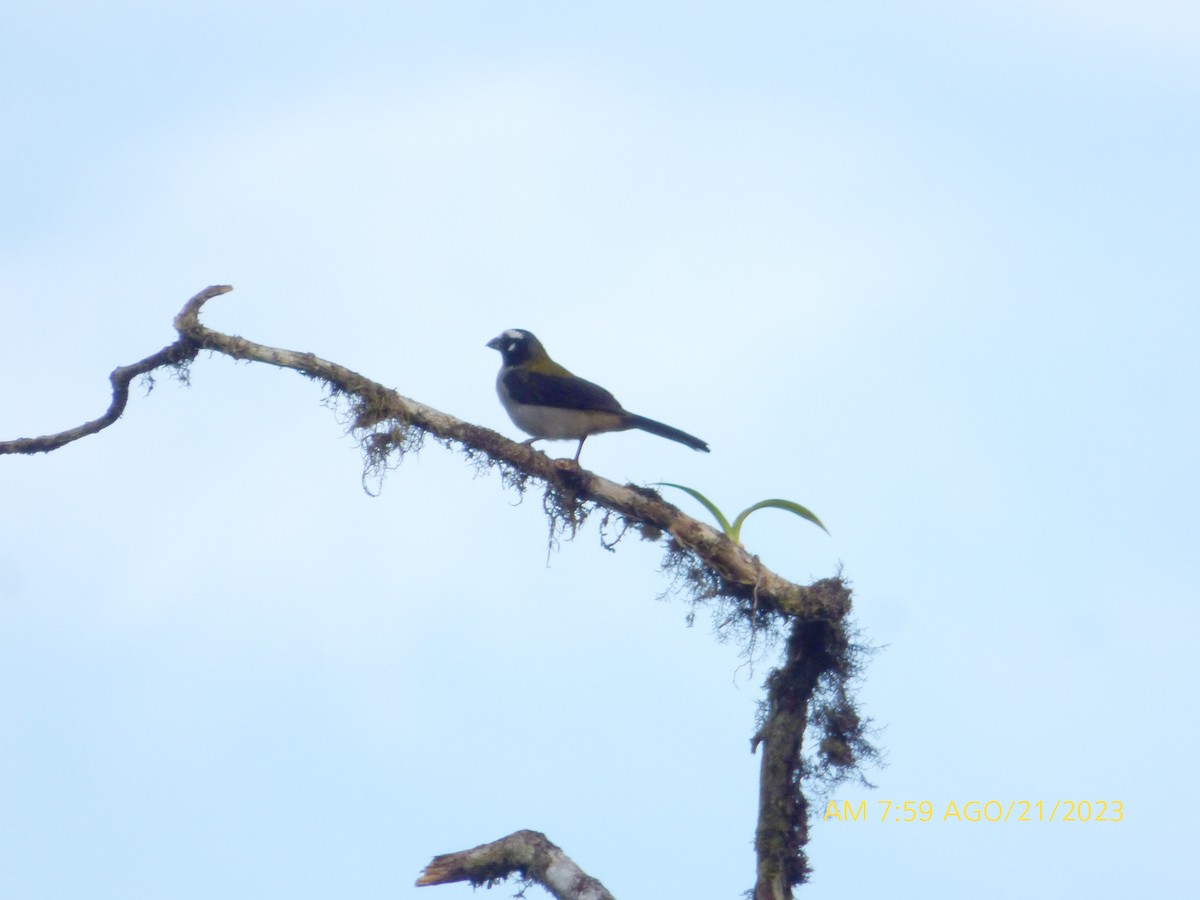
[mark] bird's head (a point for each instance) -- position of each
(518, 346)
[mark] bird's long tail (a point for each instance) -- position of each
(673, 434)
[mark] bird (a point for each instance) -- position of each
(545, 400)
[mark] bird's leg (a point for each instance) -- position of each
(529, 443)
(579, 449)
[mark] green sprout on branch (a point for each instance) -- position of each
(734, 531)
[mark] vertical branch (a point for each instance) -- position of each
(782, 831)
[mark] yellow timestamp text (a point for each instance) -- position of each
(903, 811)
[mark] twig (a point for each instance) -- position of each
(183, 350)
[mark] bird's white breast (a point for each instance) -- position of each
(555, 423)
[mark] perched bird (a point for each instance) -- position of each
(545, 400)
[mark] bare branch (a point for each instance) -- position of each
(183, 350)
(528, 855)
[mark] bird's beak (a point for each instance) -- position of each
(494, 343)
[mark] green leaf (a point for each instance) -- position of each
(709, 505)
(787, 505)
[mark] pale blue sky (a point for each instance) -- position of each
(928, 268)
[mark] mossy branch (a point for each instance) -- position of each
(389, 423)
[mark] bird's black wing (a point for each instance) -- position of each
(559, 391)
